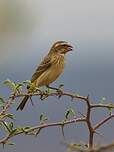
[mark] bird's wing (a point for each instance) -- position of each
(44, 65)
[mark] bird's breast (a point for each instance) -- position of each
(52, 73)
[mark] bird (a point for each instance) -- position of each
(49, 69)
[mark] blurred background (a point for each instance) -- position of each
(28, 28)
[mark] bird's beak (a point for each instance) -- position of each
(70, 48)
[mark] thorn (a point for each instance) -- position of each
(3, 145)
(38, 132)
(81, 114)
(60, 92)
(62, 128)
(31, 101)
(41, 97)
(88, 97)
(61, 86)
(72, 98)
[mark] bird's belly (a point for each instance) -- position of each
(49, 75)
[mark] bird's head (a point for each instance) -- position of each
(61, 47)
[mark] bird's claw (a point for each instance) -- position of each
(60, 92)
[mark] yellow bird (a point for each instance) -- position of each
(50, 68)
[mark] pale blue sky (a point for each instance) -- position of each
(26, 34)
(32, 27)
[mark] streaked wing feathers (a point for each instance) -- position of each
(44, 65)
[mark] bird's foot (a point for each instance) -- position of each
(58, 90)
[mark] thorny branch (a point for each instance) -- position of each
(59, 93)
(41, 126)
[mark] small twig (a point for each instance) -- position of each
(39, 127)
(102, 106)
(102, 122)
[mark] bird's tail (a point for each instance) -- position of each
(23, 102)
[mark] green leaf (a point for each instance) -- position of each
(27, 127)
(49, 90)
(43, 118)
(17, 131)
(6, 126)
(10, 143)
(27, 82)
(110, 109)
(69, 113)
(10, 84)
(14, 132)
(76, 145)
(11, 116)
(1, 102)
(30, 85)
(102, 99)
(10, 125)
(19, 85)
